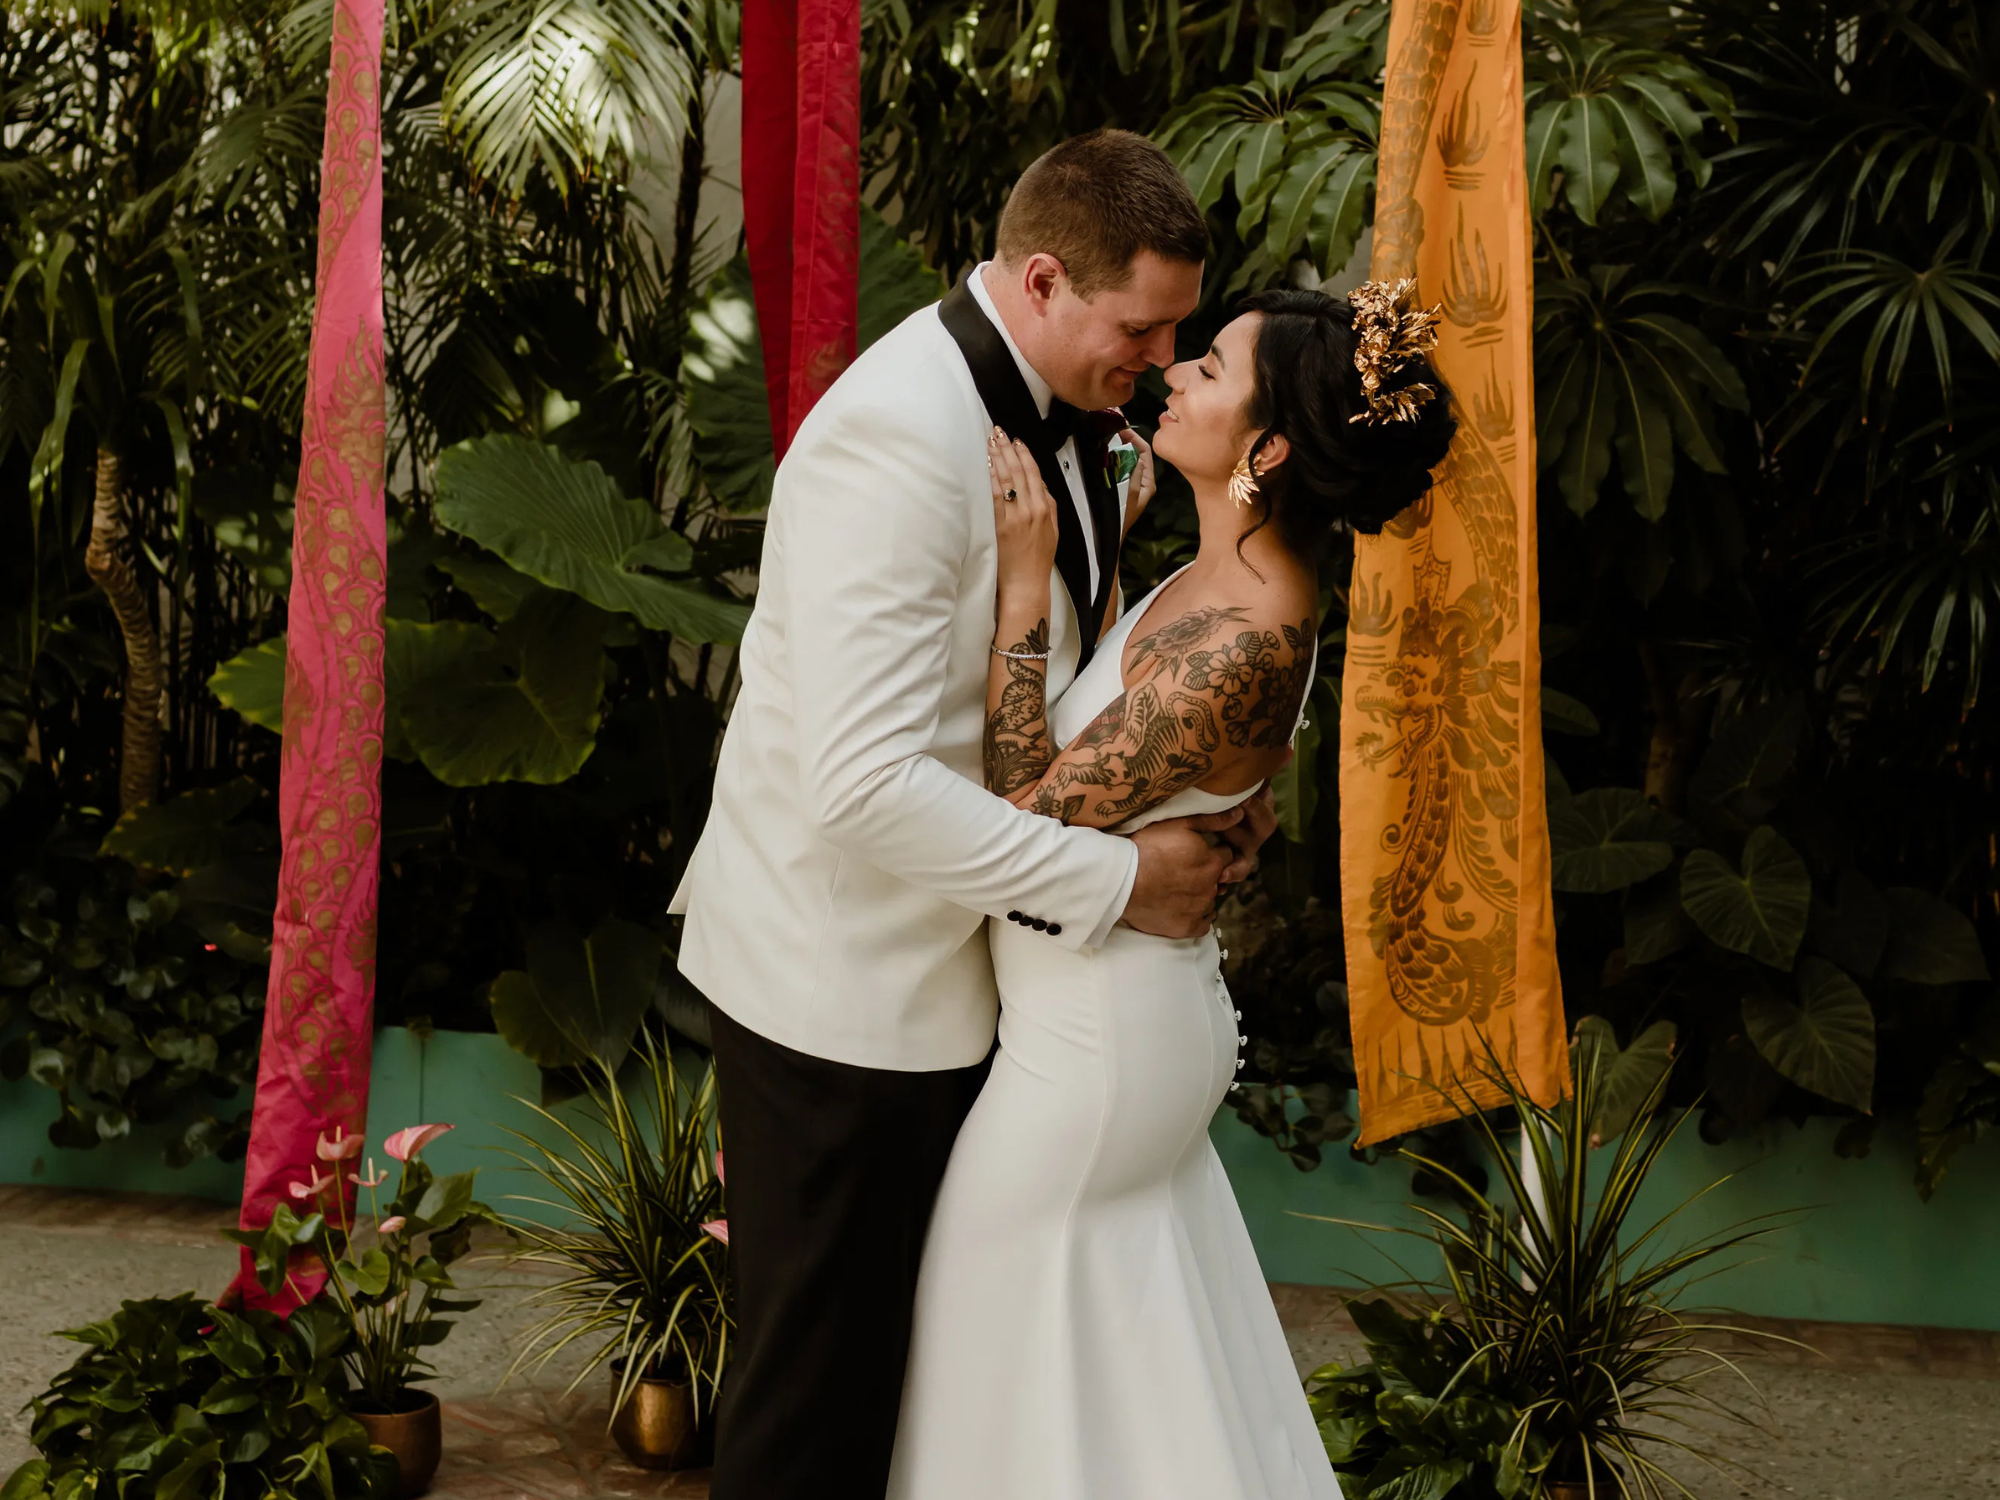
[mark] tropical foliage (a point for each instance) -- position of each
(641, 1260)
(175, 1397)
(1766, 371)
(1764, 661)
(1556, 1347)
(385, 1277)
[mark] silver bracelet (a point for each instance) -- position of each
(1022, 655)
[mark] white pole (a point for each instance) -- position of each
(1531, 1180)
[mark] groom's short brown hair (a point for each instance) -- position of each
(1094, 203)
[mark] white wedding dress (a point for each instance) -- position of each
(1091, 1322)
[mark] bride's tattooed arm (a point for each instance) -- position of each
(1016, 743)
(1213, 689)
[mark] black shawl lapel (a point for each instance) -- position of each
(1011, 406)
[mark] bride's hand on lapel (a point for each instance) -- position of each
(1024, 523)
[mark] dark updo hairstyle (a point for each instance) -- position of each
(1340, 473)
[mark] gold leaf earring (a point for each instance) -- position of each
(1243, 483)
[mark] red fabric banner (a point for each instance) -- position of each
(312, 1075)
(801, 194)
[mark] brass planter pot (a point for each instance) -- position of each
(416, 1437)
(656, 1428)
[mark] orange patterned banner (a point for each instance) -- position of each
(1444, 834)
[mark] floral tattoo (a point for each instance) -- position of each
(1207, 682)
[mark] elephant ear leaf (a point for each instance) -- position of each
(1929, 942)
(580, 999)
(183, 833)
(564, 523)
(1606, 839)
(1749, 757)
(1626, 1077)
(253, 683)
(518, 704)
(489, 583)
(1825, 1042)
(1760, 911)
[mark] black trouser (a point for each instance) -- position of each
(832, 1172)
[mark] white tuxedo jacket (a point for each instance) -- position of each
(836, 902)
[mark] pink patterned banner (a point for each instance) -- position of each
(312, 1077)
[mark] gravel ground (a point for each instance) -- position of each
(1833, 1432)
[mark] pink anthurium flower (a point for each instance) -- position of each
(321, 1181)
(338, 1145)
(717, 1229)
(374, 1179)
(407, 1142)
(718, 1169)
(391, 1225)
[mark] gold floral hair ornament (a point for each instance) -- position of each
(1390, 330)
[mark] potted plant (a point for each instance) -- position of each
(642, 1260)
(387, 1276)
(1553, 1361)
(174, 1396)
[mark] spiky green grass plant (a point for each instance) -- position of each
(1556, 1345)
(640, 1269)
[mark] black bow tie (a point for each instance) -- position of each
(1065, 422)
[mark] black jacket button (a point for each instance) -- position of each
(1039, 924)
(1055, 929)
(1013, 916)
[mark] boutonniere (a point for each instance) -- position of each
(1120, 457)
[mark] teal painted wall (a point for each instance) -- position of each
(1857, 1246)
(1853, 1243)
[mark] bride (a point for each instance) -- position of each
(1091, 1322)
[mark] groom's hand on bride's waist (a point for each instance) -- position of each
(1246, 836)
(1180, 871)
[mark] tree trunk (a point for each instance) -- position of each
(139, 761)
(687, 208)
(1680, 713)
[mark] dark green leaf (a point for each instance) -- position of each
(253, 683)
(565, 523)
(1656, 926)
(496, 588)
(519, 704)
(1627, 1077)
(445, 1201)
(1928, 941)
(1647, 171)
(1749, 756)
(579, 999)
(1589, 154)
(1760, 911)
(182, 833)
(1565, 714)
(1606, 839)
(1826, 1041)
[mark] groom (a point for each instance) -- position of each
(837, 901)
